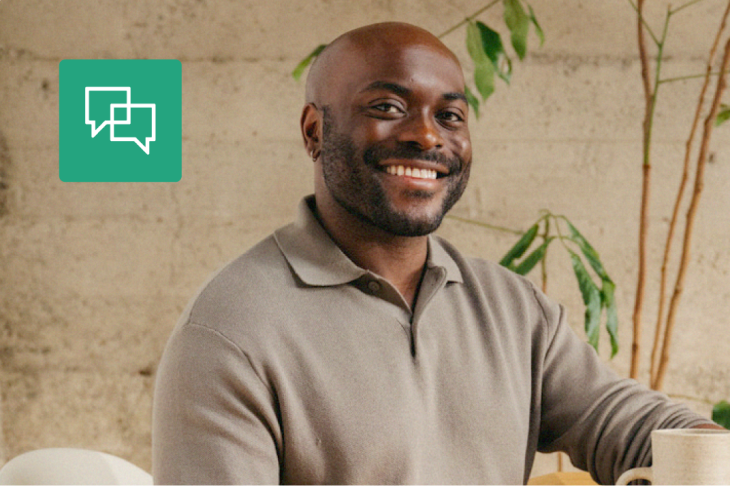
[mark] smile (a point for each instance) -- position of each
(414, 172)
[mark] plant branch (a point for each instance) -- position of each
(680, 195)
(543, 262)
(559, 233)
(691, 212)
(486, 225)
(649, 100)
(643, 21)
(690, 76)
(682, 7)
(650, 95)
(469, 18)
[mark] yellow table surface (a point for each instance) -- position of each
(563, 478)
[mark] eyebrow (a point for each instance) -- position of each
(455, 96)
(403, 91)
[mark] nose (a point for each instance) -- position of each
(421, 131)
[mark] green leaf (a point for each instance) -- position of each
(483, 68)
(484, 79)
(591, 299)
(588, 251)
(533, 258)
(723, 116)
(607, 299)
(474, 43)
(518, 24)
(520, 247)
(472, 100)
(721, 414)
(609, 303)
(538, 29)
(299, 70)
(504, 70)
(494, 49)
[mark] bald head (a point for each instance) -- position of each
(369, 45)
(386, 124)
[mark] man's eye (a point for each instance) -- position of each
(450, 116)
(387, 108)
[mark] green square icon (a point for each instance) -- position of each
(120, 120)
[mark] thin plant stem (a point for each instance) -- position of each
(683, 6)
(643, 21)
(469, 18)
(646, 173)
(560, 236)
(543, 263)
(689, 76)
(639, 300)
(650, 96)
(691, 212)
(658, 333)
(486, 225)
(653, 93)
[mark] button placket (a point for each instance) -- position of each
(374, 286)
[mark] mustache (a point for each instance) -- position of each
(374, 155)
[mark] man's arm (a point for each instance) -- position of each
(602, 421)
(709, 426)
(213, 421)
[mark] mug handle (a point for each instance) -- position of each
(634, 474)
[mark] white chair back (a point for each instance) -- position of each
(71, 466)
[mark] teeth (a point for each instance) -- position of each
(399, 170)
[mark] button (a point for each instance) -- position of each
(373, 286)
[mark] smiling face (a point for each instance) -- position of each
(395, 149)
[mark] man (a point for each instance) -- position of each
(352, 347)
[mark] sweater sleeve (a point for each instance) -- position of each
(214, 420)
(603, 422)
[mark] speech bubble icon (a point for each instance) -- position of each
(95, 106)
(137, 116)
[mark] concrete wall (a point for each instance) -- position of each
(93, 276)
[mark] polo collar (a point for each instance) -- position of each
(438, 257)
(318, 261)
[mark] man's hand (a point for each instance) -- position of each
(709, 426)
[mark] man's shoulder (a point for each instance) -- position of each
(251, 269)
(251, 283)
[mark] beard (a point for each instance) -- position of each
(354, 179)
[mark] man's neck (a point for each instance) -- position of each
(399, 259)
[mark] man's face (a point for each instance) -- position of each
(396, 151)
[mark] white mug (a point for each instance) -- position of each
(686, 456)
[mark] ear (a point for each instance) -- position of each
(311, 125)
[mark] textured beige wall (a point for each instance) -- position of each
(93, 276)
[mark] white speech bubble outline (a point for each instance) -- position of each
(94, 129)
(153, 108)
